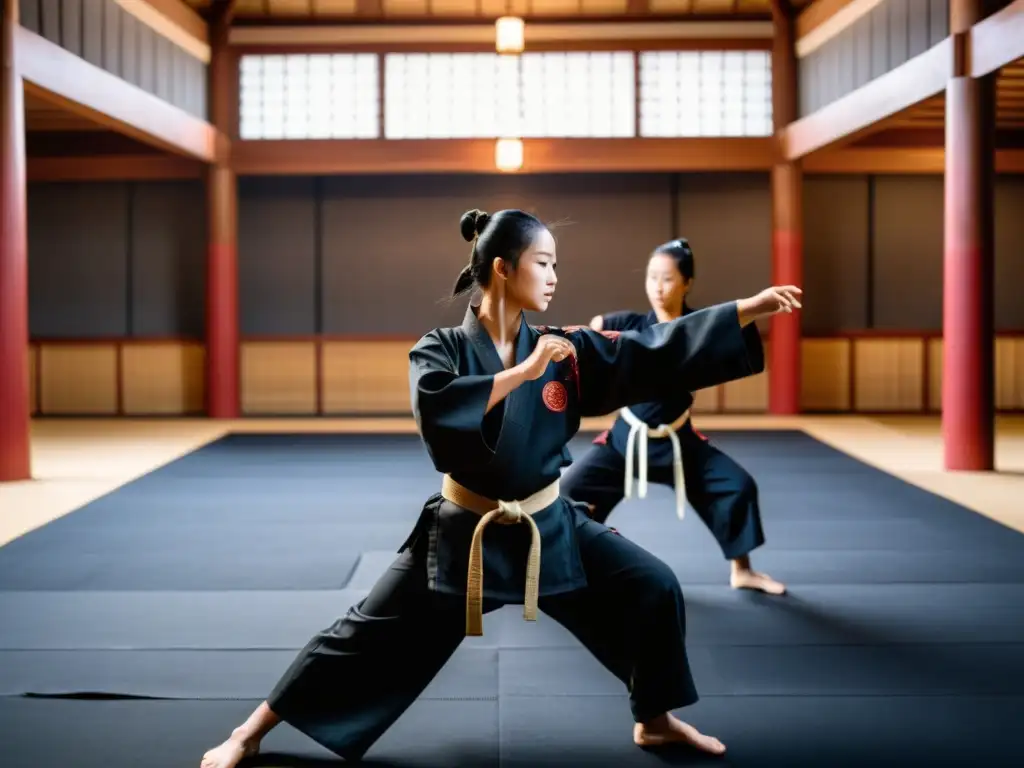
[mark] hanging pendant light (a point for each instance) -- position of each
(509, 34)
(508, 154)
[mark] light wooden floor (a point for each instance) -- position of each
(76, 461)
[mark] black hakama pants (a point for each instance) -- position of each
(354, 679)
(722, 492)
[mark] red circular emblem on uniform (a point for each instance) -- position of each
(555, 397)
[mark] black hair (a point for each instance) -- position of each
(681, 252)
(504, 235)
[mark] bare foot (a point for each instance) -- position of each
(230, 753)
(668, 729)
(748, 579)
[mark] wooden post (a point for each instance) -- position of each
(15, 460)
(784, 360)
(968, 333)
(222, 337)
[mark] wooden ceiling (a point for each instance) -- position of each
(278, 11)
(1009, 105)
(53, 131)
(42, 115)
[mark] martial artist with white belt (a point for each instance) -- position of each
(656, 441)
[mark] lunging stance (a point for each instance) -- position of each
(656, 440)
(496, 400)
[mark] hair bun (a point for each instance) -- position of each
(472, 223)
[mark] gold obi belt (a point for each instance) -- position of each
(503, 513)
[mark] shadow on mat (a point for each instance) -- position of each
(802, 613)
(915, 662)
(549, 758)
(283, 760)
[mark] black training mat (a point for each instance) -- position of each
(471, 673)
(296, 512)
(538, 732)
(771, 732)
(259, 512)
(143, 627)
(175, 734)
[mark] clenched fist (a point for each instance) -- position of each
(549, 348)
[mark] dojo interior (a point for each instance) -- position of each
(225, 222)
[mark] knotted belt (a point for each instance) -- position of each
(504, 513)
(640, 429)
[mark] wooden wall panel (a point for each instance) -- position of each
(825, 383)
(906, 250)
(934, 375)
(361, 377)
(370, 377)
(278, 377)
(162, 378)
(33, 379)
(105, 34)
(888, 35)
(77, 379)
(92, 31)
(888, 374)
(749, 395)
(707, 400)
(1010, 374)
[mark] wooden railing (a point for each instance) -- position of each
(858, 372)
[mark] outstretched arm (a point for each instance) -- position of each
(701, 349)
(623, 320)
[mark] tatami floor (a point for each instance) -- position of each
(78, 460)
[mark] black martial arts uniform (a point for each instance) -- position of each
(719, 489)
(354, 679)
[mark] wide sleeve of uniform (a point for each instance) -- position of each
(449, 408)
(623, 320)
(700, 349)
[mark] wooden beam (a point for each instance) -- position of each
(113, 168)
(222, 11)
(912, 82)
(900, 160)
(58, 76)
(998, 40)
(173, 20)
(640, 33)
(824, 19)
(317, 157)
(853, 160)
(817, 13)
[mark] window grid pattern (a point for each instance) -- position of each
(705, 93)
(315, 96)
(579, 95)
(487, 95)
(451, 95)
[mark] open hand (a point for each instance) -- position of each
(770, 301)
(549, 348)
(780, 298)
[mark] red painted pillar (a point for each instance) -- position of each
(222, 363)
(222, 338)
(784, 362)
(15, 463)
(968, 360)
